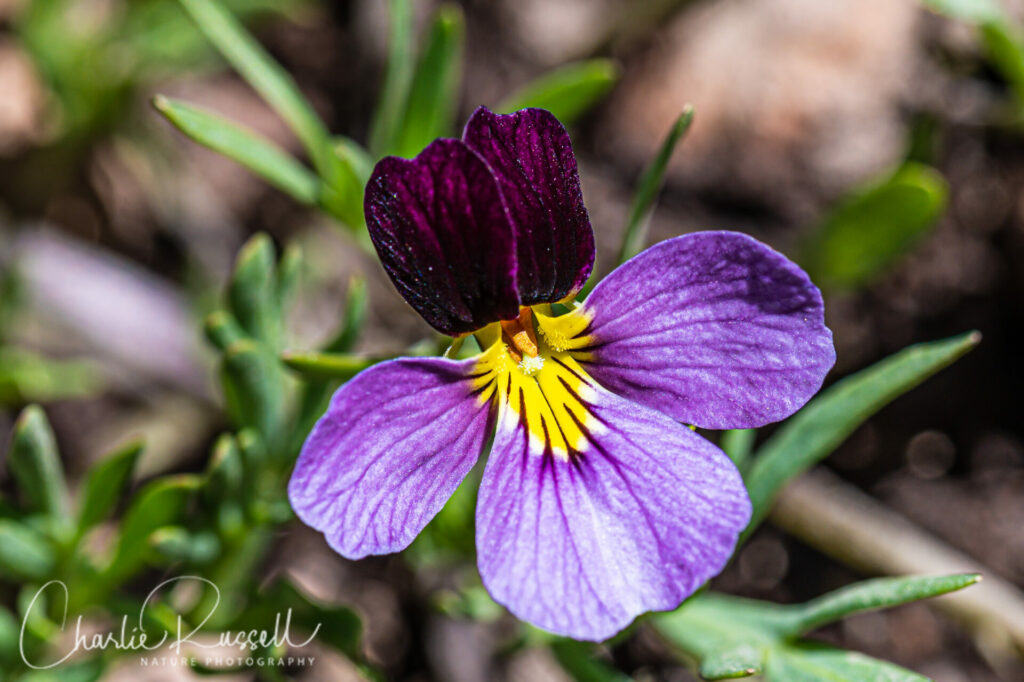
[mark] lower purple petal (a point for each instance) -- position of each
(713, 328)
(393, 446)
(637, 520)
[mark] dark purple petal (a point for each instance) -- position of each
(642, 516)
(441, 232)
(393, 446)
(712, 328)
(530, 154)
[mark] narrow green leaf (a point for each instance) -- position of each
(646, 193)
(222, 329)
(810, 662)
(342, 366)
(825, 422)
(24, 553)
(255, 390)
(225, 474)
(1004, 46)
(387, 117)
(160, 503)
(174, 544)
(729, 664)
(35, 464)
(355, 156)
(289, 273)
(316, 392)
(730, 637)
(435, 87)
(105, 483)
(267, 77)
(248, 148)
(738, 443)
(578, 659)
(874, 594)
(567, 92)
(868, 231)
(252, 292)
(353, 319)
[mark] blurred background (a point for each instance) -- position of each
(117, 234)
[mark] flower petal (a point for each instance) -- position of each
(442, 235)
(393, 446)
(530, 155)
(636, 520)
(713, 328)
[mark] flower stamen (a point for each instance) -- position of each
(521, 336)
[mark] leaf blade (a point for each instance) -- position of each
(245, 147)
(430, 112)
(567, 92)
(834, 414)
(35, 463)
(646, 194)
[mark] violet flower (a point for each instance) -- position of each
(597, 504)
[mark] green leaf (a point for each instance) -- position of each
(1003, 45)
(35, 464)
(813, 663)
(567, 92)
(25, 554)
(26, 376)
(225, 472)
(356, 156)
(160, 503)
(353, 319)
(106, 481)
(730, 637)
(222, 329)
(289, 272)
(248, 148)
(867, 232)
(874, 594)
(646, 194)
(387, 117)
(342, 366)
(738, 443)
(577, 659)
(435, 87)
(825, 422)
(742, 661)
(339, 626)
(173, 544)
(343, 193)
(316, 392)
(252, 292)
(254, 388)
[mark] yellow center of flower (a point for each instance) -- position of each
(538, 377)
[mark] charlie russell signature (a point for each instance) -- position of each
(136, 638)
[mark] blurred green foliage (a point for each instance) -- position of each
(869, 230)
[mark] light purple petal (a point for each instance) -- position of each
(712, 328)
(530, 155)
(644, 515)
(393, 446)
(439, 226)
